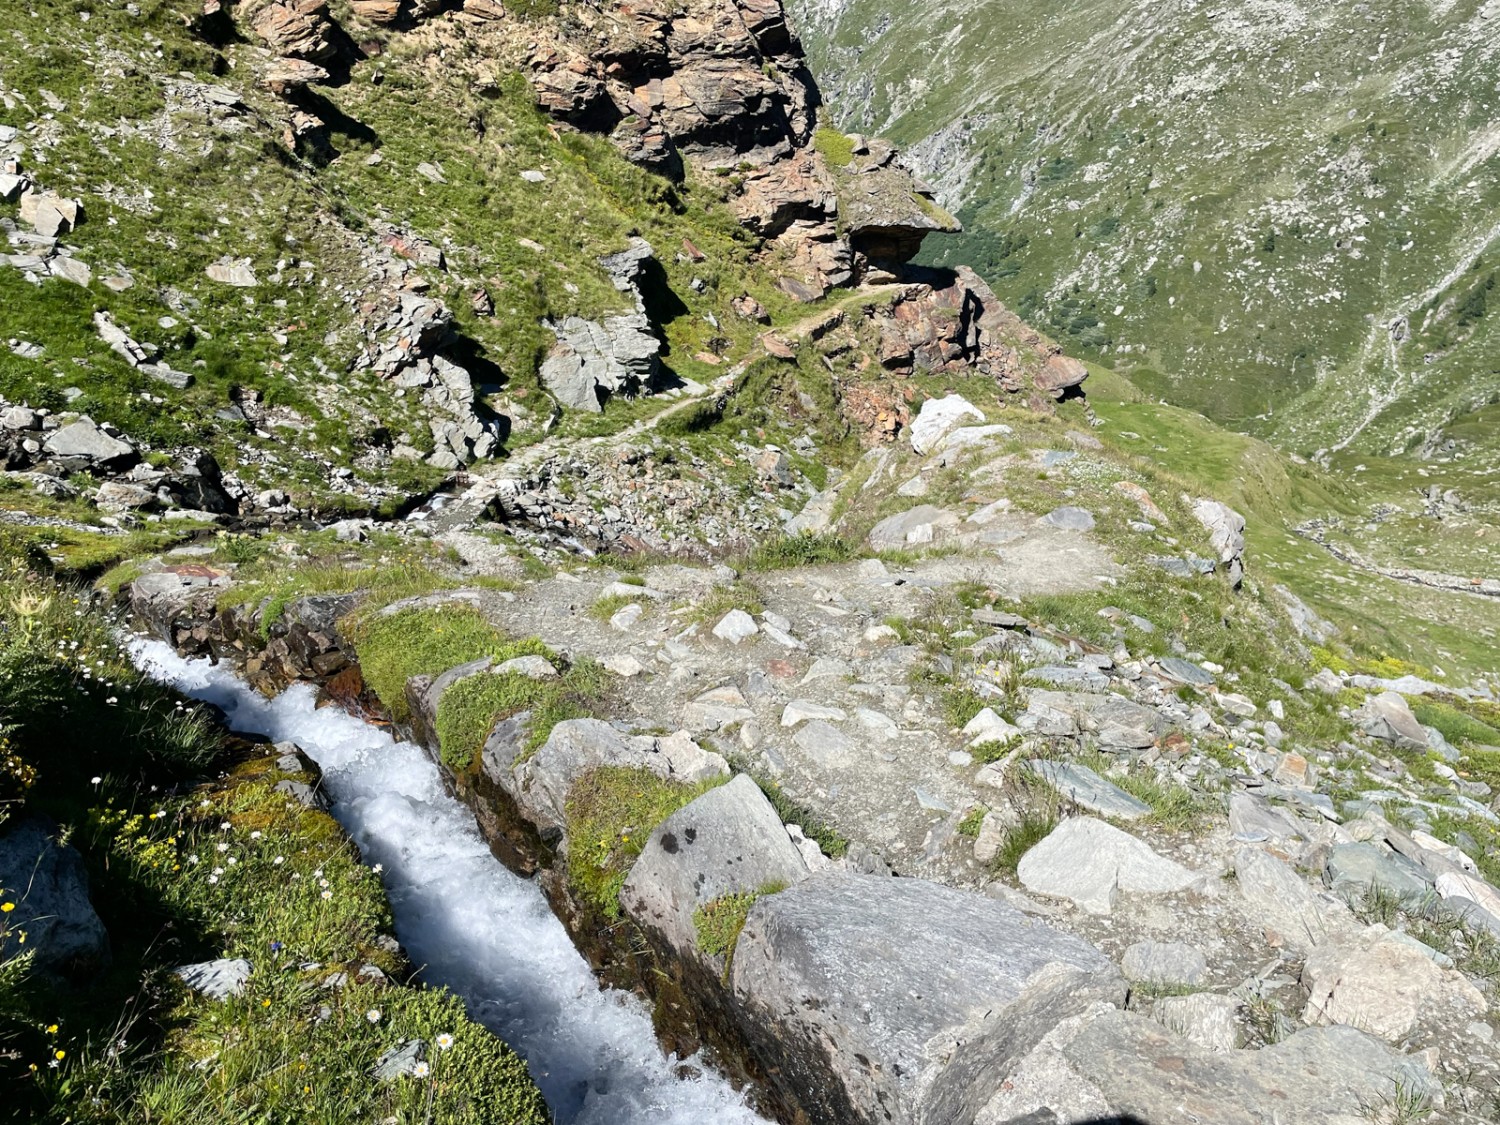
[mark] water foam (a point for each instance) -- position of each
(485, 933)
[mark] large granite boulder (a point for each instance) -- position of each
(1290, 912)
(540, 785)
(901, 1001)
(728, 841)
(1124, 1067)
(49, 887)
(1386, 982)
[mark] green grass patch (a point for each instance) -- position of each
(973, 819)
(392, 648)
(181, 874)
(1454, 725)
(470, 708)
(611, 604)
(1031, 830)
(718, 923)
(611, 813)
(801, 550)
(721, 600)
(837, 148)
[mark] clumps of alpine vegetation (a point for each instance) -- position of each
(1004, 692)
(1352, 253)
(185, 932)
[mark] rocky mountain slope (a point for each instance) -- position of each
(1018, 791)
(1283, 215)
(550, 385)
(346, 250)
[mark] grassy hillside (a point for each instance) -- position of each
(1284, 216)
(161, 123)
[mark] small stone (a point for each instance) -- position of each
(803, 710)
(625, 618)
(218, 980)
(532, 667)
(1169, 963)
(736, 626)
(937, 417)
(1070, 518)
(1185, 672)
(624, 665)
(987, 726)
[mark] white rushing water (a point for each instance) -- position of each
(485, 933)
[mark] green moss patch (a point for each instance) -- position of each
(179, 874)
(611, 812)
(718, 923)
(393, 648)
(470, 708)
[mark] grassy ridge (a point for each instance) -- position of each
(182, 872)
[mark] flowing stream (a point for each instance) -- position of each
(474, 926)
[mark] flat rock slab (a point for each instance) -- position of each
(1084, 787)
(1186, 672)
(917, 527)
(1290, 912)
(1354, 870)
(1123, 1066)
(540, 785)
(218, 980)
(1385, 983)
(1164, 962)
(828, 747)
(1117, 723)
(1070, 518)
(1090, 862)
(1254, 821)
(728, 841)
(901, 1001)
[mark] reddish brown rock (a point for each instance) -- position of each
(1059, 373)
(377, 11)
(484, 9)
(299, 28)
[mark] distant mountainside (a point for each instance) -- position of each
(1283, 214)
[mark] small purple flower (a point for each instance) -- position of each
(276, 947)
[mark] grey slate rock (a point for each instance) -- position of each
(1317, 1076)
(1353, 869)
(218, 980)
(1164, 962)
(1186, 672)
(1084, 787)
(869, 1013)
(1254, 821)
(1388, 718)
(728, 841)
(85, 440)
(50, 887)
(399, 1061)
